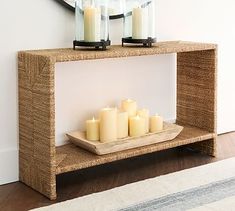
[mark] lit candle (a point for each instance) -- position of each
(93, 130)
(156, 123)
(140, 23)
(145, 114)
(92, 21)
(122, 124)
(137, 126)
(130, 106)
(108, 124)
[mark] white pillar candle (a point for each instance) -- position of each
(145, 114)
(108, 124)
(137, 126)
(156, 123)
(122, 124)
(93, 130)
(92, 21)
(130, 106)
(140, 23)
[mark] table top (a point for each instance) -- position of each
(117, 51)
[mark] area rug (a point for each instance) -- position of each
(207, 187)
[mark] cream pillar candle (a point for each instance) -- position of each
(93, 130)
(92, 21)
(156, 123)
(137, 126)
(140, 23)
(130, 106)
(122, 124)
(108, 124)
(145, 114)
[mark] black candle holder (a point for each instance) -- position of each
(146, 42)
(97, 45)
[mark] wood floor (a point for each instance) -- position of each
(17, 196)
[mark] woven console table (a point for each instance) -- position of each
(40, 160)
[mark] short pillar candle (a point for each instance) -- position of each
(137, 126)
(156, 123)
(108, 124)
(145, 114)
(93, 130)
(130, 106)
(122, 124)
(92, 17)
(140, 23)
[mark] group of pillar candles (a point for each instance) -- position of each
(114, 124)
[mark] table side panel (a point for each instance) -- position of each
(36, 123)
(196, 93)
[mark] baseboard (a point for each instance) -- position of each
(9, 166)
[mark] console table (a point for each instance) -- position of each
(40, 160)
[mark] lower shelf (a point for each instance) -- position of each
(71, 158)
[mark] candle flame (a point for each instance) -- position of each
(93, 119)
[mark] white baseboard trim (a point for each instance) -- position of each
(9, 165)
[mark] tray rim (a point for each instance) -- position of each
(95, 146)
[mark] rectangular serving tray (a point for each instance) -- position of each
(169, 132)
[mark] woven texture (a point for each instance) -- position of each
(76, 158)
(63, 55)
(39, 159)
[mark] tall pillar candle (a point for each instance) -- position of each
(122, 124)
(92, 22)
(156, 123)
(108, 124)
(137, 126)
(130, 106)
(93, 130)
(140, 23)
(145, 114)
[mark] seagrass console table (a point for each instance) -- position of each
(40, 160)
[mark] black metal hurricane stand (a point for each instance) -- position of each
(146, 42)
(103, 44)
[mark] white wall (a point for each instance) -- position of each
(28, 24)
(208, 21)
(92, 85)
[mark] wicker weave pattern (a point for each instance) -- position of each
(40, 161)
(36, 122)
(63, 55)
(73, 158)
(196, 93)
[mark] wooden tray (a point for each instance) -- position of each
(169, 132)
